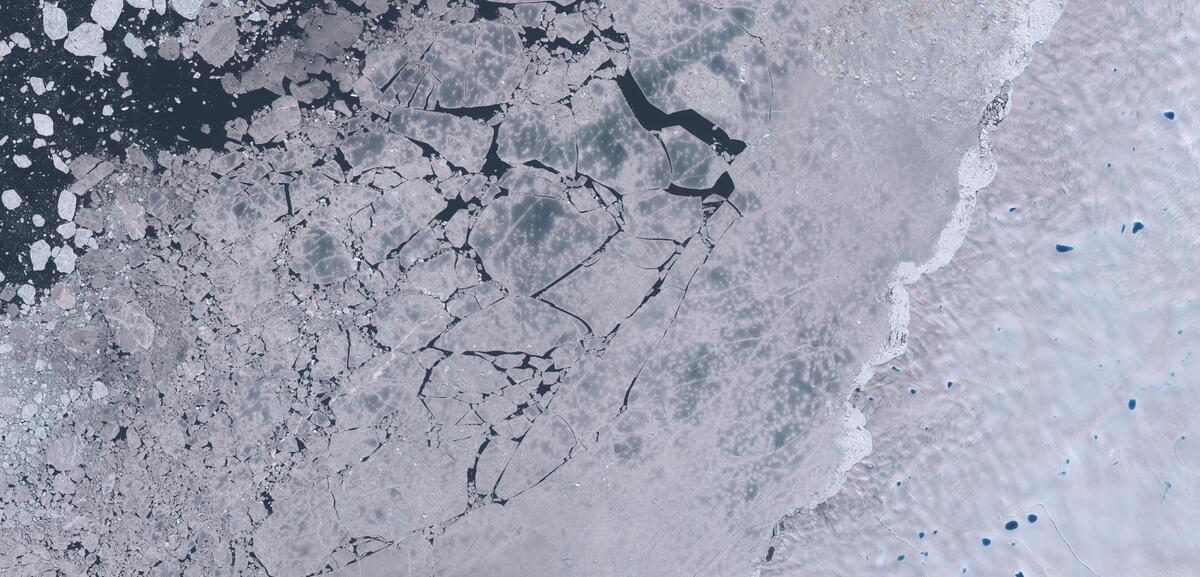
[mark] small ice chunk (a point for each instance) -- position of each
(66, 229)
(82, 235)
(54, 21)
(218, 42)
(107, 12)
(64, 259)
(186, 8)
(37, 84)
(43, 124)
(20, 40)
(22, 161)
(27, 293)
(39, 253)
(38, 221)
(66, 205)
(63, 297)
(168, 48)
(87, 39)
(135, 45)
(10, 199)
(99, 390)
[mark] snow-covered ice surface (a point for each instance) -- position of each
(1043, 421)
(589, 288)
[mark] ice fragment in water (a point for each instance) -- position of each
(87, 39)
(54, 21)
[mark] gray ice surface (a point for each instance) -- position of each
(584, 288)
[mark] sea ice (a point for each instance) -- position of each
(43, 124)
(87, 39)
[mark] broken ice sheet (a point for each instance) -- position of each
(504, 288)
(133, 329)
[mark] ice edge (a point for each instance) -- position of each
(977, 168)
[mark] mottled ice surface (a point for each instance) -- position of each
(590, 288)
(1049, 381)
